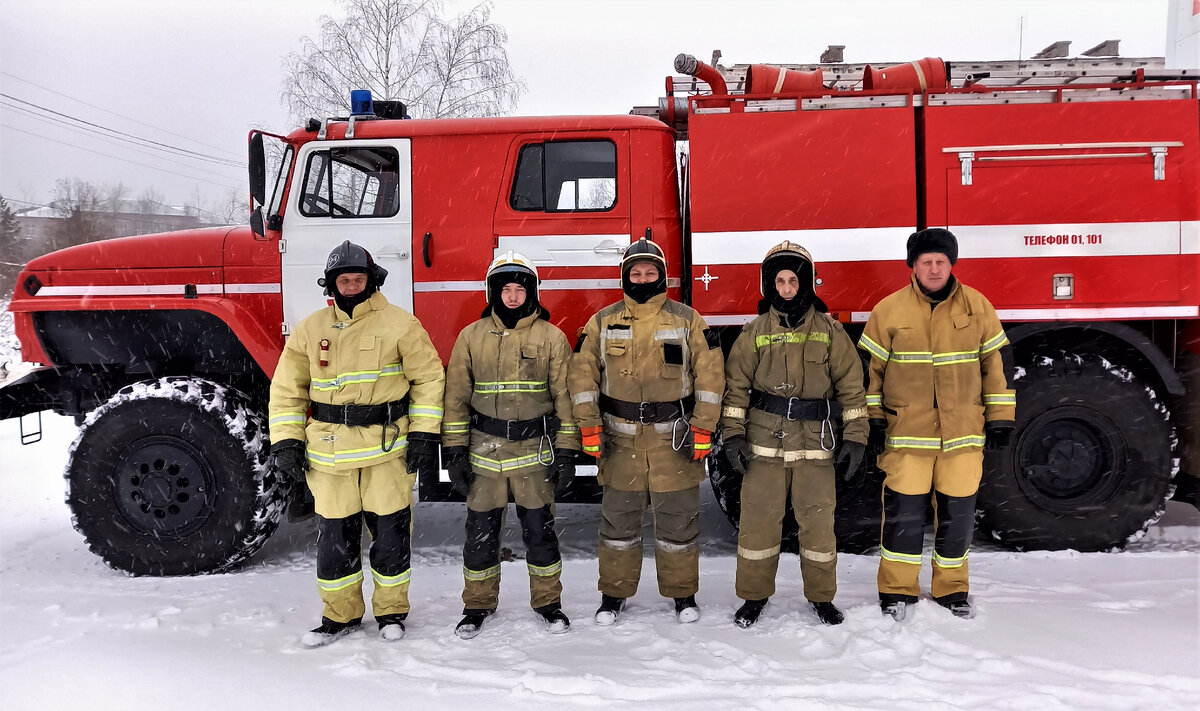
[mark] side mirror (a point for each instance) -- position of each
(258, 170)
(256, 222)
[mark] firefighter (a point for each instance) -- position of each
(373, 381)
(509, 429)
(792, 373)
(646, 382)
(940, 391)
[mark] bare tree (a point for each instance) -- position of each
(150, 201)
(404, 50)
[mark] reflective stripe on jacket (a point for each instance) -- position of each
(379, 355)
(509, 374)
(815, 360)
(937, 373)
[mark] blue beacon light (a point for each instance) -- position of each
(360, 103)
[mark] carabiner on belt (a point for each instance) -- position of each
(828, 428)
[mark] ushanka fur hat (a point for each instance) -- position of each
(932, 239)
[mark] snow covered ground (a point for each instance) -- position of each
(1058, 630)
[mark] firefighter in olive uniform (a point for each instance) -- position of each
(509, 428)
(792, 373)
(373, 381)
(646, 383)
(940, 391)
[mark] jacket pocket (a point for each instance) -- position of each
(672, 359)
(368, 353)
(530, 363)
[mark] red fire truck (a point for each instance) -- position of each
(1073, 187)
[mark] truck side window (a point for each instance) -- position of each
(566, 176)
(352, 182)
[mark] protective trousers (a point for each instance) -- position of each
(677, 541)
(381, 497)
(765, 490)
(486, 504)
(953, 481)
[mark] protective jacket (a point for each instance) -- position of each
(814, 360)
(945, 368)
(657, 352)
(378, 355)
(516, 374)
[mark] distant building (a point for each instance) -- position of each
(128, 219)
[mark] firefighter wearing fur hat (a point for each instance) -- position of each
(356, 412)
(509, 430)
(940, 392)
(794, 405)
(646, 383)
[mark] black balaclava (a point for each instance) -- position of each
(507, 316)
(641, 293)
(791, 310)
(347, 303)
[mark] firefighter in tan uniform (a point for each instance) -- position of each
(646, 382)
(792, 374)
(373, 381)
(509, 429)
(940, 391)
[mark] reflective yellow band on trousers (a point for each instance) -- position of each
(355, 455)
(340, 583)
(909, 558)
(817, 556)
(790, 455)
(391, 581)
(507, 465)
(944, 562)
(760, 554)
(481, 574)
(545, 571)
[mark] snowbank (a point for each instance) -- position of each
(1058, 630)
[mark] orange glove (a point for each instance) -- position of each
(701, 443)
(591, 440)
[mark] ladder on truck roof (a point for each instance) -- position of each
(1008, 72)
(1000, 74)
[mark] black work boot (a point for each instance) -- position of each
(328, 631)
(828, 612)
(472, 622)
(556, 620)
(610, 607)
(748, 613)
(391, 627)
(959, 608)
(686, 609)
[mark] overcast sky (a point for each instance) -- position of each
(198, 74)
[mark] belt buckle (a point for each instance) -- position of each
(346, 414)
(642, 413)
(788, 414)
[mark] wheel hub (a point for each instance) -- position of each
(163, 486)
(1066, 458)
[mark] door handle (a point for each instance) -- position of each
(608, 247)
(397, 254)
(425, 249)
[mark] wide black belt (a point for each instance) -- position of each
(647, 413)
(516, 430)
(360, 415)
(795, 408)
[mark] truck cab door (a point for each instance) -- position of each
(347, 190)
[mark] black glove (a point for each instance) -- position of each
(734, 451)
(422, 454)
(998, 434)
(562, 472)
(287, 456)
(458, 465)
(850, 455)
(877, 436)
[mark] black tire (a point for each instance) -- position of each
(169, 477)
(856, 519)
(1090, 463)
